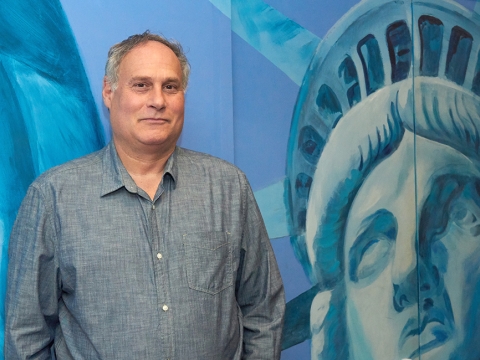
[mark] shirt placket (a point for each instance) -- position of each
(158, 219)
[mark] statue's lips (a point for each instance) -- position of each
(434, 330)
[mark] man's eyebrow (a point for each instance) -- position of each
(139, 78)
(172, 79)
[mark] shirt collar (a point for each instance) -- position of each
(115, 175)
(171, 167)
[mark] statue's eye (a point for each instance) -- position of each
(373, 256)
(465, 214)
(372, 250)
(461, 215)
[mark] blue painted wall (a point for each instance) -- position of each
(251, 90)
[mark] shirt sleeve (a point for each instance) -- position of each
(31, 303)
(259, 287)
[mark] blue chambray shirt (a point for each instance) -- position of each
(100, 271)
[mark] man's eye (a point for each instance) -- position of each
(171, 88)
(140, 85)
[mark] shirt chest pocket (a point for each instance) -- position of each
(208, 261)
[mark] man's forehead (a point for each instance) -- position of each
(150, 50)
(152, 56)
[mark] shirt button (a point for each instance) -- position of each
(165, 308)
(159, 256)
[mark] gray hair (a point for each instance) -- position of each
(118, 51)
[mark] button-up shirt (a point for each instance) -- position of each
(98, 270)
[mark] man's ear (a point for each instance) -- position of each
(107, 92)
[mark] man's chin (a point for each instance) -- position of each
(160, 143)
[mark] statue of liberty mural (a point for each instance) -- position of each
(46, 109)
(384, 183)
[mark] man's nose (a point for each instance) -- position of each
(156, 98)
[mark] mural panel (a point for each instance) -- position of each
(382, 174)
(46, 108)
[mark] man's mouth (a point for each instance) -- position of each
(154, 119)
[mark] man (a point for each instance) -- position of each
(143, 250)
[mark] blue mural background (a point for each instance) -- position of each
(47, 111)
(249, 59)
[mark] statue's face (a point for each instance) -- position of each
(412, 256)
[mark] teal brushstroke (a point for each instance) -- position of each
(477, 7)
(225, 6)
(296, 328)
(285, 43)
(47, 112)
(272, 206)
(282, 41)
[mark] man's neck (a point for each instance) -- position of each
(145, 167)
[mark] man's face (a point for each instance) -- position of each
(147, 107)
(401, 294)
